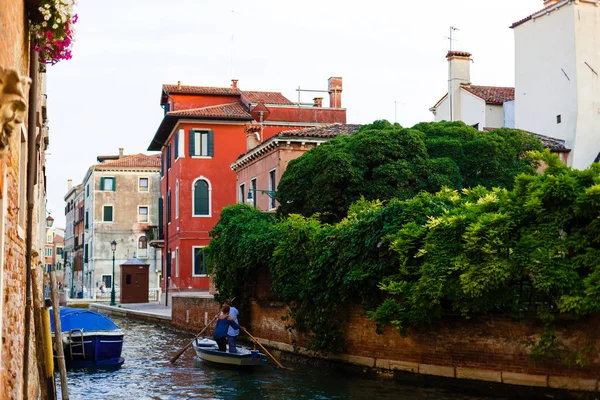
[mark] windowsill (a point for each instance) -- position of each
(200, 276)
(202, 157)
(202, 216)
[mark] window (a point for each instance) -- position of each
(253, 188)
(142, 247)
(87, 220)
(162, 165)
(176, 145)
(199, 262)
(87, 191)
(201, 143)
(59, 251)
(181, 152)
(177, 262)
(201, 198)
(272, 188)
(49, 238)
(48, 252)
(143, 185)
(107, 215)
(558, 119)
(107, 281)
(128, 279)
(176, 199)
(243, 193)
(169, 206)
(85, 253)
(168, 155)
(107, 184)
(143, 214)
(48, 267)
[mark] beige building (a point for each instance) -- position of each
(121, 204)
(259, 170)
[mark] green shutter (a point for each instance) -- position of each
(114, 184)
(102, 183)
(192, 135)
(108, 213)
(211, 143)
(201, 199)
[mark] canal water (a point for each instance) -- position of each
(147, 374)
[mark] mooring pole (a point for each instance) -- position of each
(60, 354)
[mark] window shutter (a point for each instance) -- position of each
(161, 211)
(108, 213)
(162, 164)
(192, 135)
(114, 184)
(176, 142)
(168, 157)
(211, 143)
(201, 198)
(101, 183)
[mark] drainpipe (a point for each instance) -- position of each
(31, 172)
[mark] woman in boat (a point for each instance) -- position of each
(223, 323)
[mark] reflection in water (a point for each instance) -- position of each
(147, 374)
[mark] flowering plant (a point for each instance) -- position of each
(52, 35)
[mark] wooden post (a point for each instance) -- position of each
(38, 309)
(60, 354)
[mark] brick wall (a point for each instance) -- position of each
(14, 54)
(191, 312)
(488, 349)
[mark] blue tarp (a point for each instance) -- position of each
(86, 320)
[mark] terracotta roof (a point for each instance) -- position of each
(233, 110)
(548, 142)
(267, 97)
(455, 53)
(324, 131)
(215, 91)
(530, 17)
(134, 161)
(492, 94)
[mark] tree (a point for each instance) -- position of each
(384, 161)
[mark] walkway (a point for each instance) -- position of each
(154, 312)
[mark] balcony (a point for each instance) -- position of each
(155, 236)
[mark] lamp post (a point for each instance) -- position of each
(113, 246)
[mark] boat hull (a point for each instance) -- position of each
(101, 350)
(244, 358)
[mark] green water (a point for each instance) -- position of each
(147, 374)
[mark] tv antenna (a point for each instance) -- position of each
(450, 38)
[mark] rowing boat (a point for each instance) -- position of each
(208, 351)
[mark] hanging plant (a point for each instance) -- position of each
(52, 30)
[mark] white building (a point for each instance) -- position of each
(557, 65)
(479, 106)
(121, 204)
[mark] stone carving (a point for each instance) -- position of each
(13, 104)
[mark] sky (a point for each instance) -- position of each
(390, 53)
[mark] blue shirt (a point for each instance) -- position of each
(221, 328)
(233, 312)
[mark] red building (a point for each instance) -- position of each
(202, 133)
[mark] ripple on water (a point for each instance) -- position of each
(147, 374)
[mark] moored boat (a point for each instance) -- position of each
(208, 351)
(90, 339)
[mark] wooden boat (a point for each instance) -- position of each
(90, 339)
(208, 351)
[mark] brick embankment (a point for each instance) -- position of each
(147, 316)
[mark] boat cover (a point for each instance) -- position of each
(80, 318)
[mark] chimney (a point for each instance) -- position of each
(335, 92)
(69, 183)
(234, 83)
(550, 2)
(121, 152)
(318, 102)
(252, 136)
(178, 85)
(459, 73)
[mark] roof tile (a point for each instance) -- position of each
(134, 161)
(208, 90)
(530, 17)
(266, 97)
(492, 94)
(233, 110)
(323, 131)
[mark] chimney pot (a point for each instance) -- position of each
(318, 102)
(70, 183)
(121, 152)
(178, 85)
(234, 83)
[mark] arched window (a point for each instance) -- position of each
(202, 191)
(142, 247)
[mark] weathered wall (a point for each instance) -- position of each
(192, 312)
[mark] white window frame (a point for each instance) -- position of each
(147, 187)
(147, 214)
(253, 187)
(209, 215)
(181, 144)
(176, 262)
(177, 199)
(272, 203)
(194, 260)
(242, 193)
(113, 213)
(138, 249)
(114, 189)
(198, 142)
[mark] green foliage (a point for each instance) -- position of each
(384, 161)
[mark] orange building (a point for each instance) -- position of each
(203, 131)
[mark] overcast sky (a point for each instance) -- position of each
(107, 96)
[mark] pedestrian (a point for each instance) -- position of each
(223, 323)
(232, 333)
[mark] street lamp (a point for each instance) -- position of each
(113, 246)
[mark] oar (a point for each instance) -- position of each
(262, 347)
(187, 346)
